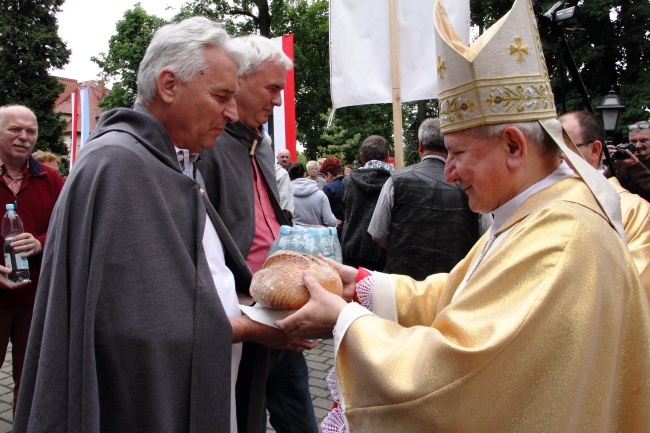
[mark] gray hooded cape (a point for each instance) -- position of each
(129, 334)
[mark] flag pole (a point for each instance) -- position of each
(397, 94)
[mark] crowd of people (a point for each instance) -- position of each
(499, 284)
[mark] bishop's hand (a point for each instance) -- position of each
(317, 318)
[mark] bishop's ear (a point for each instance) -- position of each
(517, 146)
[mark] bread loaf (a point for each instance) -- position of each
(279, 284)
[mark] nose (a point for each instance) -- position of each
(230, 112)
(277, 99)
(23, 135)
(450, 170)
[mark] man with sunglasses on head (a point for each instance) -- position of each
(634, 171)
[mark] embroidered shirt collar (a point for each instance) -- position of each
(374, 163)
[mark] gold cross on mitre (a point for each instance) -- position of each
(519, 49)
(441, 66)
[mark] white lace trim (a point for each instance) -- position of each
(364, 291)
(334, 422)
(331, 384)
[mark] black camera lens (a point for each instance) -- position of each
(621, 153)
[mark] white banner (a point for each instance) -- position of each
(360, 49)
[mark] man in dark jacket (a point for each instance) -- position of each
(360, 193)
(423, 221)
(240, 181)
(633, 171)
(33, 188)
(137, 324)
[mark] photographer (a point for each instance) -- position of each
(633, 172)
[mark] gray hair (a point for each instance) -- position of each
(430, 135)
(311, 164)
(257, 51)
(533, 131)
(179, 47)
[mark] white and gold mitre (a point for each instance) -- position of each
(500, 78)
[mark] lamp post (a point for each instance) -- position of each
(610, 110)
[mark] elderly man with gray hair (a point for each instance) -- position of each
(136, 325)
(252, 212)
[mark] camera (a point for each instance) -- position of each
(621, 153)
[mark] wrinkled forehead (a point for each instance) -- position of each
(640, 133)
(18, 116)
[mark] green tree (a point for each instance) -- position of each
(610, 43)
(308, 20)
(29, 47)
(239, 17)
(337, 141)
(126, 49)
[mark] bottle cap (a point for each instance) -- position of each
(10, 206)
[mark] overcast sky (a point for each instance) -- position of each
(87, 25)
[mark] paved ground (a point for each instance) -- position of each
(319, 360)
(6, 395)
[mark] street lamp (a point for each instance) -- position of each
(611, 110)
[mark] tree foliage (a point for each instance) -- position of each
(29, 47)
(126, 49)
(610, 43)
(337, 141)
(239, 17)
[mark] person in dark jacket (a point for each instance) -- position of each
(360, 193)
(424, 222)
(240, 181)
(33, 188)
(333, 172)
(633, 171)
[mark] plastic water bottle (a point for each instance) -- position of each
(283, 242)
(330, 245)
(312, 241)
(336, 245)
(12, 226)
(326, 245)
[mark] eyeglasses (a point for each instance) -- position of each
(585, 143)
(640, 126)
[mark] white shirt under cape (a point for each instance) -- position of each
(224, 281)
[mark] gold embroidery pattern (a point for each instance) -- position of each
(441, 66)
(519, 49)
(455, 109)
(521, 98)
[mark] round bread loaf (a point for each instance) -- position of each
(279, 284)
